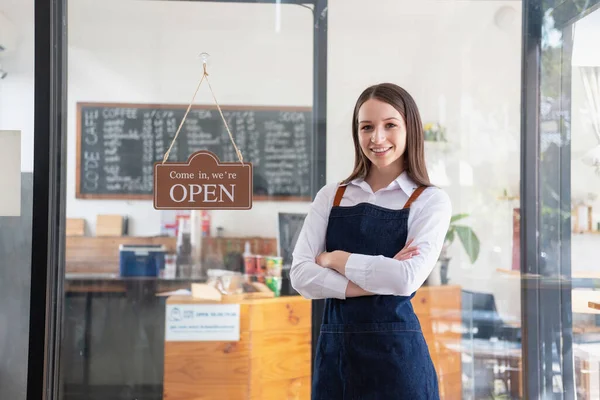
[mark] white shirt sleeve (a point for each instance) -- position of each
(388, 276)
(308, 278)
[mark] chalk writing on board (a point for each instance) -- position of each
(118, 145)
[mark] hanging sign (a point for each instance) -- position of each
(203, 183)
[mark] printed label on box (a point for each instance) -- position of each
(202, 322)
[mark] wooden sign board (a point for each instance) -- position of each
(203, 183)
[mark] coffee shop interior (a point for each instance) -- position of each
(287, 87)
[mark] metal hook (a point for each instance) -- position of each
(204, 57)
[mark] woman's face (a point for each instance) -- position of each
(381, 133)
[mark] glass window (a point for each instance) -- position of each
(564, 344)
(16, 185)
(172, 303)
(129, 87)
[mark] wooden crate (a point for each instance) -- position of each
(110, 225)
(75, 227)
(272, 359)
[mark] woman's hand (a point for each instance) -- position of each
(335, 260)
(323, 259)
(407, 252)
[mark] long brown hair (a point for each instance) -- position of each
(414, 155)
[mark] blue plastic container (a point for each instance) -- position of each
(141, 260)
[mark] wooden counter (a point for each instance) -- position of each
(439, 311)
(272, 360)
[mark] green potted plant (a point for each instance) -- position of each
(469, 241)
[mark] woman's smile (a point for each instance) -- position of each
(381, 151)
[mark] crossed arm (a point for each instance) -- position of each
(337, 260)
(317, 274)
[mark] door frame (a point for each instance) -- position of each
(49, 177)
(542, 326)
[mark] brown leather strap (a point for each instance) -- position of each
(338, 195)
(414, 196)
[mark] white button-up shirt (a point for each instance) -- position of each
(428, 222)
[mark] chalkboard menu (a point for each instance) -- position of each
(118, 144)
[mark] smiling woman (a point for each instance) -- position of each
(382, 231)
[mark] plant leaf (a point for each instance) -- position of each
(456, 217)
(469, 240)
(450, 235)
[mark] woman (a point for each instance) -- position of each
(366, 246)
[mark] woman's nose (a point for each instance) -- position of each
(378, 136)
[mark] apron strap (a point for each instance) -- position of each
(338, 195)
(414, 196)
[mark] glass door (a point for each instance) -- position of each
(559, 189)
(508, 309)
(31, 156)
(134, 276)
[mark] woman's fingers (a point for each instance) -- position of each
(404, 257)
(408, 250)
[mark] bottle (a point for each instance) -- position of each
(196, 236)
(205, 223)
(247, 251)
(249, 262)
(184, 249)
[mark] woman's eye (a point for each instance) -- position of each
(390, 125)
(365, 128)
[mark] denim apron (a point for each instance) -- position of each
(371, 347)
